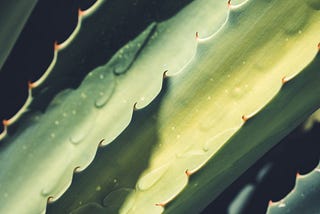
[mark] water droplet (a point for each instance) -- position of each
(209, 97)
(104, 90)
(80, 132)
(45, 193)
(115, 180)
(24, 147)
(149, 179)
(98, 188)
(64, 114)
(173, 128)
(52, 135)
(102, 99)
(56, 122)
(76, 139)
(205, 148)
(74, 112)
(101, 76)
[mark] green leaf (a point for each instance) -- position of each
(216, 79)
(243, 69)
(12, 24)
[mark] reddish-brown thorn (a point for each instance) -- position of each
(5, 123)
(229, 3)
(298, 175)
(50, 199)
(30, 85)
(80, 12)
(244, 118)
(188, 173)
(160, 204)
(270, 203)
(56, 46)
(135, 106)
(284, 80)
(76, 169)
(101, 142)
(197, 35)
(319, 46)
(165, 74)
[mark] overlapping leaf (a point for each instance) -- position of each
(51, 145)
(239, 70)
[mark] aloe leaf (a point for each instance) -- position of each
(113, 165)
(213, 122)
(8, 19)
(203, 118)
(220, 70)
(240, 157)
(86, 107)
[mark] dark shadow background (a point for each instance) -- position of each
(271, 178)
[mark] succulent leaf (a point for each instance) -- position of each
(186, 122)
(250, 64)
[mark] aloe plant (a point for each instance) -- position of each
(231, 70)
